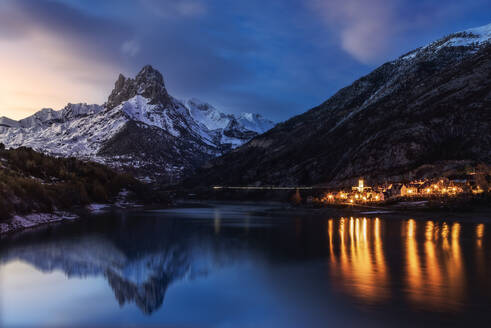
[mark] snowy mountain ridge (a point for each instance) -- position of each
(471, 38)
(140, 125)
(214, 119)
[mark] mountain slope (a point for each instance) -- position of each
(140, 128)
(428, 108)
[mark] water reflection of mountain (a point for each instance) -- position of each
(139, 264)
(431, 265)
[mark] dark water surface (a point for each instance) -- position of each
(233, 266)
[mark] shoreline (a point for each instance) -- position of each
(19, 223)
(33, 220)
(480, 214)
(23, 222)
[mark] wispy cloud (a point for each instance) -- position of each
(130, 48)
(364, 27)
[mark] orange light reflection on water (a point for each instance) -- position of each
(360, 264)
(434, 273)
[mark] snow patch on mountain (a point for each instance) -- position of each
(214, 119)
(471, 38)
(7, 122)
(139, 109)
(39, 118)
(255, 122)
(76, 110)
(207, 115)
(79, 137)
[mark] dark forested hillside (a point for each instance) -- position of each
(34, 182)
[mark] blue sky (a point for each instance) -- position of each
(278, 58)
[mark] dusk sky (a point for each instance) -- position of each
(277, 58)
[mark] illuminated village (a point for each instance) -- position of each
(416, 190)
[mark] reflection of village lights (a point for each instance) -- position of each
(411, 227)
(480, 230)
(359, 265)
(444, 230)
(429, 230)
(479, 234)
(455, 232)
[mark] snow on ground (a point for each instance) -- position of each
(32, 220)
(122, 200)
(98, 208)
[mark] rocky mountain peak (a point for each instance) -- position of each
(148, 83)
(149, 75)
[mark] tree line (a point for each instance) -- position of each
(34, 182)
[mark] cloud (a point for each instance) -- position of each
(364, 27)
(55, 55)
(272, 57)
(176, 8)
(130, 48)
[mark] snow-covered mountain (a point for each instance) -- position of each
(140, 127)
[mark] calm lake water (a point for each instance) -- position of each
(234, 266)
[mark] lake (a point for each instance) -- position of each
(238, 265)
